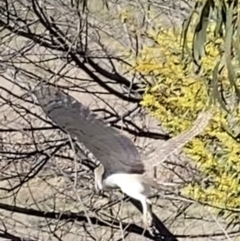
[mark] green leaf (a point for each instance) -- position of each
(200, 33)
(185, 28)
(216, 93)
(238, 39)
(221, 19)
(228, 48)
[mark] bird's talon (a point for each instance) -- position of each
(98, 192)
(147, 221)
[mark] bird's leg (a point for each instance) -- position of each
(98, 178)
(135, 186)
(147, 212)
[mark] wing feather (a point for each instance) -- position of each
(114, 150)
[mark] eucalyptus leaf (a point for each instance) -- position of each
(228, 49)
(238, 39)
(185, 28)
(216, 93)
(200, 33)
(221, 20)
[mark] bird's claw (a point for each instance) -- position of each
(147, 220)
(97, 190)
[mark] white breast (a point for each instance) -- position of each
(128, 183)
(135, 186)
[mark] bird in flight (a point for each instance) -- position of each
(121, 164)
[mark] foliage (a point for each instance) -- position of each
(185, 76)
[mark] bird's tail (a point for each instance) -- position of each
(176, 143)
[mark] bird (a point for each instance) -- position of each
(121, 164)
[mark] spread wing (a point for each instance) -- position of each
(115, 151)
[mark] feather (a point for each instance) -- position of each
(115, 151)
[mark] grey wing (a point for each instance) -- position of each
(115, 151)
